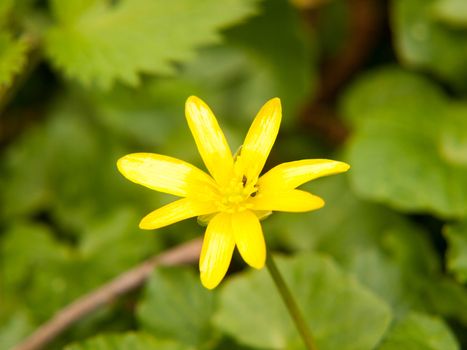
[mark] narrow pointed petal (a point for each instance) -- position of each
(218, 246)
(165, 174)
(293, 174)
(249, 238)
(260, 139)
(290, 201)
(209, 138)
(176, 211)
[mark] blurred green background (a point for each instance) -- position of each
(378, 84)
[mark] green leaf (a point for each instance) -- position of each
(453, 139)
(54, 272)
(32, 276)
(235, 79)
(456, 235)
(98, 42)
(341, 313)
(38, 250)
(5, 8)
(422, 42)
(47, 172)
(118, 236)
(451, 11)
(12, 11)
(386, 252)
(124, 341)
(12, 58)
(14, 328)
(175, 305)
(406, 150)
(419, 332)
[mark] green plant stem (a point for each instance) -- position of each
(290, 303)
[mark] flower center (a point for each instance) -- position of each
(234, 196)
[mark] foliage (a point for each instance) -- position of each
(418, 331)
(137, 341)
(382, 266)
(183, 307)
(12, 57)
(408, 131)
(322, 291)
(456, 236)
(427, 37)
(90, 36)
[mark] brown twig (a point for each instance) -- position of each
(129, 280)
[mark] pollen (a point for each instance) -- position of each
(235, 196)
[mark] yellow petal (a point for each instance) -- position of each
(165, 174)
(209, 139)
(291, 201)
(260, 139)
(218, 246)
(249, 238)
(292, 174)
(176, 211)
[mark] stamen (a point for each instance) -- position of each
(234, 196)
(238, 153)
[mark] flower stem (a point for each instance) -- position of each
(290, 303)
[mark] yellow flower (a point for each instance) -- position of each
(233, 198)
